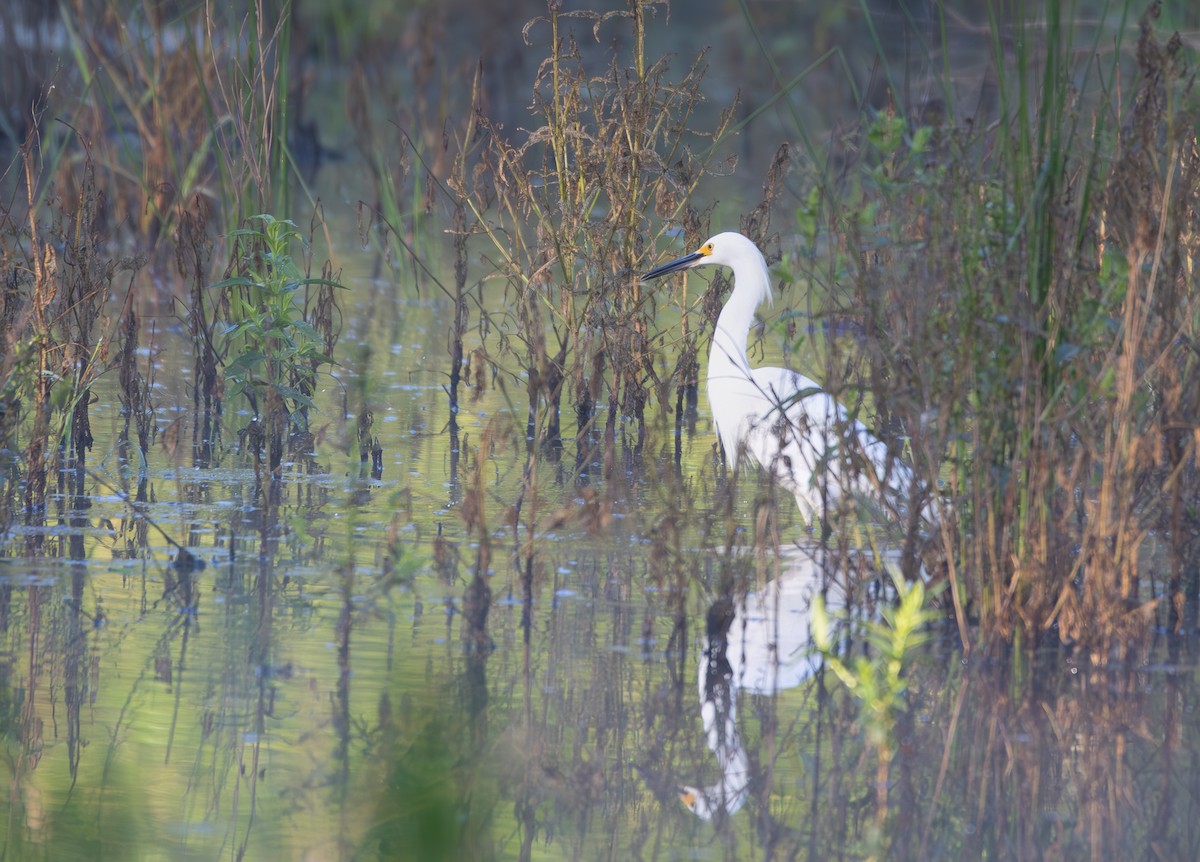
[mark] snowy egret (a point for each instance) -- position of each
(765, 650)
(781, 419)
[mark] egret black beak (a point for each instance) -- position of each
(674, 266)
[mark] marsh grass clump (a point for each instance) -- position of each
(1023, 300)
(175, 103)
(563, 211)
(60, 273)
(144, 103)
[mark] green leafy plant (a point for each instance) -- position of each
(876, 677)
(279, 351)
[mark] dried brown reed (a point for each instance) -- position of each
(61, 275)
(1024, 301)
(564, 212)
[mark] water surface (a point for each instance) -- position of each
(312, 692)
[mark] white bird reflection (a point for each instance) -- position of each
(767, 650)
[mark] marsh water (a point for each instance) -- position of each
(483, 649)
(313, 692)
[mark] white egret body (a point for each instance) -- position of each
(780, 418)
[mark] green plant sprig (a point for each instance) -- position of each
(276, 346)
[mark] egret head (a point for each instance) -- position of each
(709, 802)
(726, 249)
(696, 801)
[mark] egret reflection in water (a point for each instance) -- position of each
(766, 649)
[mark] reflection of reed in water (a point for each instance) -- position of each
(764, 650)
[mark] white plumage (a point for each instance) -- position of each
(781, 419)
(806, 441)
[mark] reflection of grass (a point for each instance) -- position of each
(436, 803)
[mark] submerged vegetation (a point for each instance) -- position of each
(1003, 287)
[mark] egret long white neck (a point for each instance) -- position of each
(751, 287)
(718, 712)
(730, 793)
